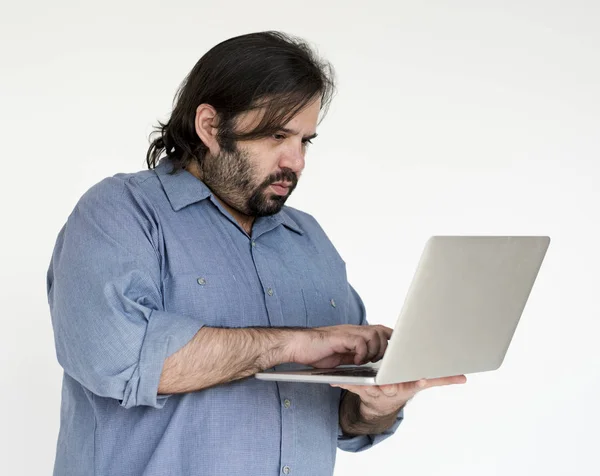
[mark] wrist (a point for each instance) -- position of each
(278, 348)
(371, 415)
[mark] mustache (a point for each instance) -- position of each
(284, 175)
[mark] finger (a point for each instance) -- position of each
(413, 387)
(387, 331)
(443, 381)
(360, 349)
(389, 390)
(373, 345)
(372, 341)
(373, 391)
(383, 343)
(347, 359)
(351, 388)
(352, 347)
(359, 330)
(365, 392)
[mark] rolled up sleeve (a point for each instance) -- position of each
(112, 333)
(354, 444)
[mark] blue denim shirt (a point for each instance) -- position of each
(143, 262)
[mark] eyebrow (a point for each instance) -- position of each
(295, 133)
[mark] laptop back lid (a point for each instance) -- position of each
(463, 306)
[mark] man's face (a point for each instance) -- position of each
(259, 175)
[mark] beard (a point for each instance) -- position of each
(233, 177)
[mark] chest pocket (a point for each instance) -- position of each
(216, 298)
(326, 304)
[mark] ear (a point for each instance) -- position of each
(205, 123)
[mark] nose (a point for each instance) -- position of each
(293, 158)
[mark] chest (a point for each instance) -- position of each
(213, 271)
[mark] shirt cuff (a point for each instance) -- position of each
(166, 333)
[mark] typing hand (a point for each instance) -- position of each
(328, 347)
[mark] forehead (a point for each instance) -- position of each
(304, 122)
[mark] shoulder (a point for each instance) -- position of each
(118, 186)
(120, 192)
(118, 203)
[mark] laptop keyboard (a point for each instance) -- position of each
(350, 372)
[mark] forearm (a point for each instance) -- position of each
(216, 356)
(356, 420)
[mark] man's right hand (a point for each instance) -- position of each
(216, 356)
(328, 347)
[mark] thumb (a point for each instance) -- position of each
(419, 385)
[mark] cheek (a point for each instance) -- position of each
(264, 160)
(301, 168)
(252, 160)
(267, 164)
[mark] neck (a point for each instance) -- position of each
(243, 220)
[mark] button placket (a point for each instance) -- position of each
(288, 425)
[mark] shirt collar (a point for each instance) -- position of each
(289, 222)
(183, 189)
(268, 223)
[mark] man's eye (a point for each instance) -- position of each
(278, 137)
(306, 142)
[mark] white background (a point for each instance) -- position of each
(451, 118)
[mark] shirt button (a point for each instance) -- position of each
(270, 292)
(253, 243)
(201, 281)
(332, 302)
(287, 403)
(286, 470)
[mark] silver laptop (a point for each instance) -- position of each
(459, 315)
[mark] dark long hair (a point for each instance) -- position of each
(269, 69)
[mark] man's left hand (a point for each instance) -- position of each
(383, 400)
